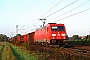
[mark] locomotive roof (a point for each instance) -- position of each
(45, 26)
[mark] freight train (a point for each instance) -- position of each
(51, 33)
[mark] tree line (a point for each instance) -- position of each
(3, 38)
(77, 37)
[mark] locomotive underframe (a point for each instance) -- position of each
(58, 41)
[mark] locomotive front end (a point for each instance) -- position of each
(58, 34)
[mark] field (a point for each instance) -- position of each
(60, 53)
(80, 51)
(11, 52)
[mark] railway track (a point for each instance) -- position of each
(70, 51)
(84, 49)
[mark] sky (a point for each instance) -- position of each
(26, 14)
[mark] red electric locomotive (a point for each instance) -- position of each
(51, 33)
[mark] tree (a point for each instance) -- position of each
(76, 37)
(3, 37)
(88, 37)
(18, 35)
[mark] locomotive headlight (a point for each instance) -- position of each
(63, 35)
(53, 34)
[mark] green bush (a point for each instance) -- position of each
(27, 45)
(78, 42)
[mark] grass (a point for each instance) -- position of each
(11, 52)
(7, 53)
(1, 49)
(22, 55)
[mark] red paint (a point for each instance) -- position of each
(25, 38)
(19, 38)
(45, 33)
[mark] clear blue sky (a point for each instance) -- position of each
(28, 12)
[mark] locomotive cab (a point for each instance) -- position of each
(57, 33)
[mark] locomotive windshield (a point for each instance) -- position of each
(57, 28)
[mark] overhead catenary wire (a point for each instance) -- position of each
(48, 15)
(21, 27)
(73, 14)
(43, 14)
(46, 12)
(58, 10)
(52, 8)
(32, 25)
(71, 10)
(62, 8)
